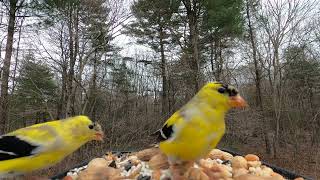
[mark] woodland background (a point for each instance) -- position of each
(130, 64)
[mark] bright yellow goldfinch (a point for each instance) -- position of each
(43, 145)
(191, 132)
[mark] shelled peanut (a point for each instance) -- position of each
(153, 164)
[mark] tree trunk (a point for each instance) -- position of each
(62, 103)
(63, 99)
(93, 89)
(78, 91)
(277, 99)
(195, 64)
(270, 144)
(76, 51)
(218, 59)
(4, 101)
(16, 60)
(72, 58)
(255, 60)
(192, 14)
(212, 57)
(165, 109)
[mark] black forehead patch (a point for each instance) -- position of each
(230, 90)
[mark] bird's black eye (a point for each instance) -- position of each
(222, 90)
(233, 92)
(90, 126)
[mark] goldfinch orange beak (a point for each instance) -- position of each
(237, 102)
(98, 136)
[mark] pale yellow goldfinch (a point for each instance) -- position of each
(195, 129)
(43, 145)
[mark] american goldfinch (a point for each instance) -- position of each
(43, 145)
(191, 132)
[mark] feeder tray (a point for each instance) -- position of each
(285, 173)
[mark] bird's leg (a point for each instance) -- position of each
(197, 161)
(178, 167)
(174, 160)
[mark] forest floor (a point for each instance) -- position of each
(295, 152)
(303, 160)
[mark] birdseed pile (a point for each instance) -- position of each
(152, 164)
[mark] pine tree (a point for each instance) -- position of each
(152, 27)
(222, 22)
(36, 89)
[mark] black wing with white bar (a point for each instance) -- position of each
(12, 147)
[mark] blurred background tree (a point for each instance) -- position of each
(36, 93)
